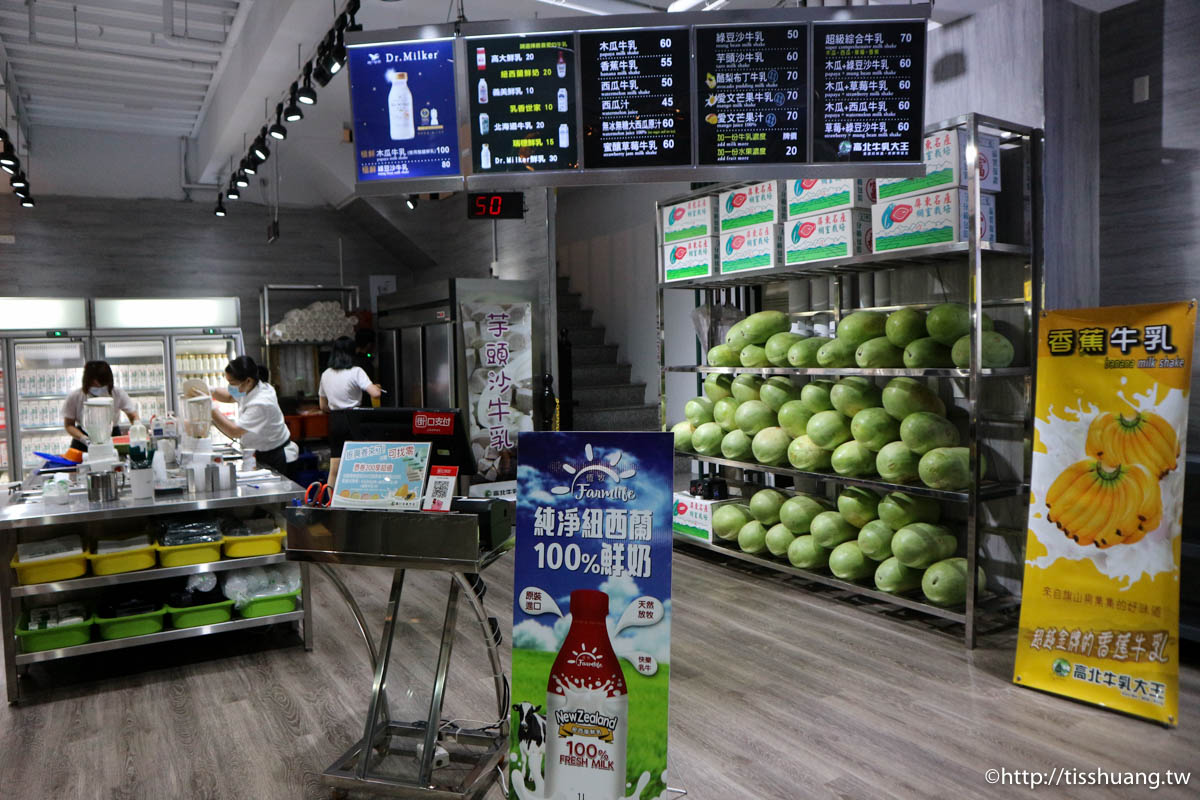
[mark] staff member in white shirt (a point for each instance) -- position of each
(260, 426)
(97, 382)
(341, 389)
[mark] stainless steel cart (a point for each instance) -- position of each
(461, 544)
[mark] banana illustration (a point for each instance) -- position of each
(1144, 438)
(1093, 503)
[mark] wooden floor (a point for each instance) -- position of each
(777, 692)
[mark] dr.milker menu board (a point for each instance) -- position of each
(752, 94)
(868, 91)
(522, 101)
(637, 98)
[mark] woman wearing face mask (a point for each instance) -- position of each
(97, 382)
(260, 426)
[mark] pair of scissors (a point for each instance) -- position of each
(318, 494)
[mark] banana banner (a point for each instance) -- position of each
(1100, 599)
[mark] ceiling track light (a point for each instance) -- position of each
(322, 69)
(248, 166)
(292, 111)
(307, 95)
(11, 167)
(8, 156)
(18, 181)
(240, 180)
(233, 193)
(351, 9)
(259, 148)
(278, 131)
(22, 191)
(28, 202)
(411, 202)
(219, 211)
(337, 53)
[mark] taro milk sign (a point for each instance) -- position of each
(591, 617)
(497, 342)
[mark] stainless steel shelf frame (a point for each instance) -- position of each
(744, 291)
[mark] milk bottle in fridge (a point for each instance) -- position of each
(587, 709)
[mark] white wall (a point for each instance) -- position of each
(82, 163)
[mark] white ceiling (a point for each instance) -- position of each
(117, 64)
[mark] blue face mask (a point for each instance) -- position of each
(98, 391)
(235, 392)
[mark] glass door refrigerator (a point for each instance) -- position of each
(175, 339)
(45, 345)
(139, 366)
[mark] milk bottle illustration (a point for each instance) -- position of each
(483, 123)
(562, 65)
(485, 156)
(562, 99)
(400, 109)
(563, 133)
(587, 709)
(483, 93)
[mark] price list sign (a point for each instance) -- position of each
(522, 101)
(868, 91)
(753, 94)
(636, 98)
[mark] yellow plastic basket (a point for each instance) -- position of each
(183, 555)
(50, 569)
(124, 561)
(262, 545)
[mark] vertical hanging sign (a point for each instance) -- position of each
(1100, 599)
(591, 617)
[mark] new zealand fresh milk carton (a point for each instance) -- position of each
(808, 196)
(689, 220)
(929, 219)
(694, 258)
(757, 204)
(834, 234)
(755, 247)
(945, 156)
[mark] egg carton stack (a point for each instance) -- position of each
(515, 391)
(322, 321)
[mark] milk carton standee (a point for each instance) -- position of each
(692, 516)
(689, 220)
(756, 204)
(926, 219)
(695, 258)
(945, 157)
(835, 234)
(808, 196)
(756, 247)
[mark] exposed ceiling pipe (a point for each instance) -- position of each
(169, 36)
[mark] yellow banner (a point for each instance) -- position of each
(1100, 599)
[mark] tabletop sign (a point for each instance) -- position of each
(405, 123)
(382, 475)
(522, 92)
(868, 91)
(636, 98)
(752, 93)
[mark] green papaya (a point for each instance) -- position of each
(851, 395)
(920, 544)
(927, 353)
(837, 353)
(895, 463)
(778, 346)
(875, 428)
(924, 431)
(754, 356)
(948, 468)
(895, 578)
(997, 351)
(904, 396)
(875, 540)
(829, 529)
(858, 506)
(879, 353)
(905, 325)
(848, 562)
(853, 460)
(724, 356)
(898, 509)
(828, 429)
(861, 326)
(805, 553)
(793, 418)
(805, 455)
(717, 386)
(804, 352)
(745, 387)
(949, 322)
(815, 396)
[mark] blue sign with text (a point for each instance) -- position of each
(592, 616)
(403, 100)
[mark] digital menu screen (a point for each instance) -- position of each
(752, 94)
(402, 96)
(636, 98)
(868, 91)
(522, 101)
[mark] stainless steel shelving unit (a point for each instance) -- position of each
(745, 290)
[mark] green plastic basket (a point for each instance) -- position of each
(268, 606)
(133, 625)
(53, 638)
(195, 616)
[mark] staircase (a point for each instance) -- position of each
(605, 398)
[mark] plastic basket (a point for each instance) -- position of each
(195, 616)
(48, 570)
(265, 544)
(53, 638)
(132, 625)
(269, 606)
(183, 555)
(123, 561)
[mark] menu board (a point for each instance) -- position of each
(868, 91)
(522, 100)
(636, 98)
(752, 92)
(403, 100)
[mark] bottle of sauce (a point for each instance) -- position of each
(587, 709)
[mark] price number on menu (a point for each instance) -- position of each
(495, 205)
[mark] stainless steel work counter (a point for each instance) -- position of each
(35, 514)
(32, 520)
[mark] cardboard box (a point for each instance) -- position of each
(945, 156)
(809, 196)
(690, 220)
(692, 516)
(756, 247)
(695, 258)
(928, 219)
(757, 204)
(835, 234)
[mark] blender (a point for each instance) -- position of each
(195, 444)
(98, 423)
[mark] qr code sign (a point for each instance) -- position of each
(441, 489)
